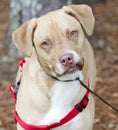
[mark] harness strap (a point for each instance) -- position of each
(12, 93)
(73, 113)
(21, 63)
(28, 126)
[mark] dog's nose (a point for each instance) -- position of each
(66, 59)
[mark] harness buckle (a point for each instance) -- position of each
(83, 103)
(79, 107)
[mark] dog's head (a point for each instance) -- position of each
(57, 38)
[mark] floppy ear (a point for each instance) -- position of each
(83, 14)
(23, 37)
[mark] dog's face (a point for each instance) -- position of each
(57, 43)
(57, 38)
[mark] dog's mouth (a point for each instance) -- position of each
(71, 72)
(73, 69)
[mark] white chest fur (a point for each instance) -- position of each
(62, 96)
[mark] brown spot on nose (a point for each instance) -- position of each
(66, 59)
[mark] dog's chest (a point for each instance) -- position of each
(62, 96)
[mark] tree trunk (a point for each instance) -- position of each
(88, 2)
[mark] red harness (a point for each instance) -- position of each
(73, 113)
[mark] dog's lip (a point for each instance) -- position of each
(72, 69)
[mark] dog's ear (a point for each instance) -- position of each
(23, 37)
(83, 14)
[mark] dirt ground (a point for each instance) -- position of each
(106, 59)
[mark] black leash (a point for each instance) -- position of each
(85, 86)
(98, 96)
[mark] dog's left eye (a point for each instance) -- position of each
(45, 44)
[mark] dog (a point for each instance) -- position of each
(55, 45)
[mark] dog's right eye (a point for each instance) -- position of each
(73, 34)
(45, 44)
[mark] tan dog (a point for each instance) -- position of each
(55, 44)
